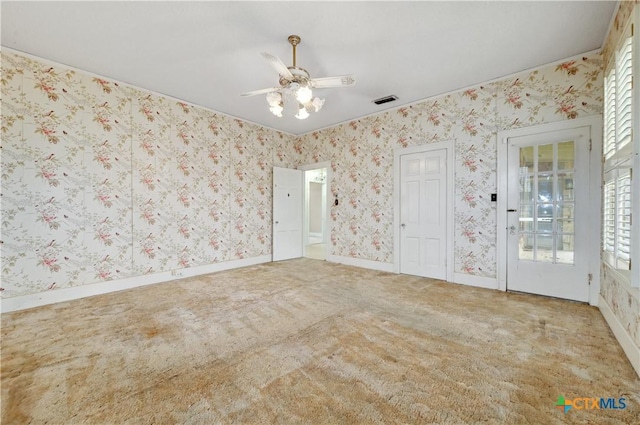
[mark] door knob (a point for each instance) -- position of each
(403, 225)
(512, 230)
(277, 222)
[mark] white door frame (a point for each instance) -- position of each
(595, 189)
(327, 213)
(397, 153)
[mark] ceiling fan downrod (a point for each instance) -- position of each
(294, 40)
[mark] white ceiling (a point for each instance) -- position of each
(208, 53)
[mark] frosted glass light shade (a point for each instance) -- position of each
(302, 113)
(304, 94)
(274, 98)
(317, 103)
(276, 109)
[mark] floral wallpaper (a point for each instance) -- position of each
(103, 181)
(361, 153)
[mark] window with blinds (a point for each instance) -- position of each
(610, 114)
(609, 218)
(618, 154)
(623, 229)
(624, 94)
(618, 101)
(616, 219)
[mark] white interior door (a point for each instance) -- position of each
(287, 213)
(548, 214)
(423, 218)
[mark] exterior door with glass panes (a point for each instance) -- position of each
(548, 199)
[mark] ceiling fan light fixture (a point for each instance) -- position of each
(296, 85)
(314, 105)
(317, 103)
(304, 94)
(274, 99)
(302, 113)
(277, 109)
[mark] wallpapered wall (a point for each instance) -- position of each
(362, 152)
(102, 181)
(622, 300)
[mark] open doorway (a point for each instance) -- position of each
(315, 231)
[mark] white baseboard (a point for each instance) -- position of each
(624, 339)
(478, 281)
(461, 278)
(357, 262)
(67, 294)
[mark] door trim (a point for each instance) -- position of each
(595, 182)
(397, 153)
(327, 213)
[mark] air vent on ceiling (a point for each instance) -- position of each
(385, 99)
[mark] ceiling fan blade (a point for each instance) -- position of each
(261, 91)
(278, 65)
(338, 81)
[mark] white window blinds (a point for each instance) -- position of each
(609, 222)
(624, 94)
(623, 230)
(610, 114)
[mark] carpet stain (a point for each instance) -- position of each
(150, 332)
(310, 342)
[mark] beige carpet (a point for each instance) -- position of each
(311, 342)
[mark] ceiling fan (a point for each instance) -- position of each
(296, 84)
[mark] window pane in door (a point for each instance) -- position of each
(526, 218)
(546, 227)
(526, 211)
(566, 155)
(526, 159)
(544, 249)
(526, 188)
(564, 249)
(565, 187)
(545, 188)
(544, 223)
(526, 225)
(565, 226)
(545, 158)
(565, 211)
